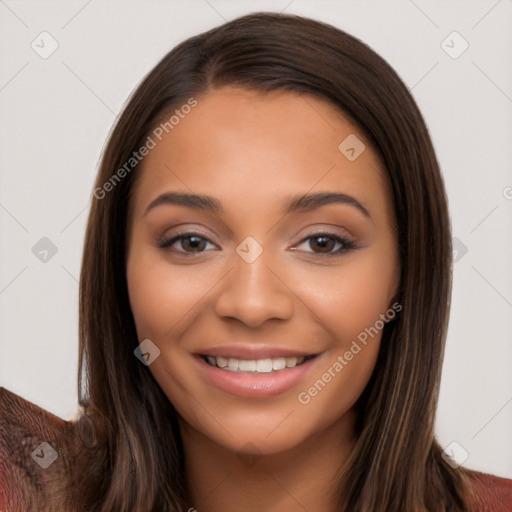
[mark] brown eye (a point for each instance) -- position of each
(193, 243)
(186, 243)
(327, 244)
(322, 243)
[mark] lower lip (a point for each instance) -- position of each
(255, 384)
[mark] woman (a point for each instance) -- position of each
(264, 294)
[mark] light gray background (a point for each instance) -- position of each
(57, 112)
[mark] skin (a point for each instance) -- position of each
(252, 151)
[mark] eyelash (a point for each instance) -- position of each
(346, 244)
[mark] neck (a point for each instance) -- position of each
(302, 478)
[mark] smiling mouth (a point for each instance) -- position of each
(267, 365)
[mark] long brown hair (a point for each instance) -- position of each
(397, 464)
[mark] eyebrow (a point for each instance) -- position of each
(299, 203)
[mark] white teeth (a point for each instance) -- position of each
(263, 365)
(255, 365)
(221, 362)
(278, 363)
(291, 362)
(247, 365)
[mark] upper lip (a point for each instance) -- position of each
(252, 352)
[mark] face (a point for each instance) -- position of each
(268, 298)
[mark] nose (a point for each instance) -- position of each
(253, 294)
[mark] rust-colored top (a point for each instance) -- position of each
(37, 449)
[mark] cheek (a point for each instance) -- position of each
(350, 304)
(350, 298)
(161, 296)
(346, 368)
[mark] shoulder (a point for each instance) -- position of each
(36, 448)
(493, 493)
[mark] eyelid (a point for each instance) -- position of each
(346, 244)
(167, 242)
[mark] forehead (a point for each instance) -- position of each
(249, 148)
